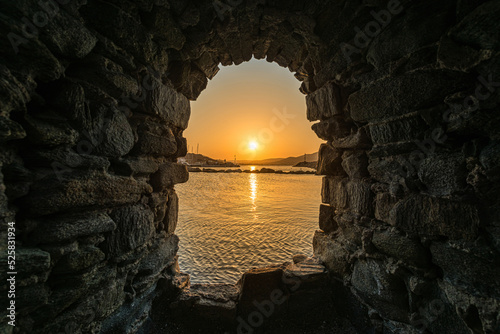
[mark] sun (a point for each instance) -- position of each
(253, 145)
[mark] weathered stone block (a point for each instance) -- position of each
(468, 266)
(10, 130)
(403, 129)
(358, 141)
(355, 164)
(121, 27)
(182, 148)
(325, 189)
(160, 256)
(335, 190)
(360, 197)
(208, 65)
(350, 229)
(478, 28)
(331, 252)
(82, 190)
(396, 245)
(155, 140)
(134, 227)
(135, 166)
(327, 218)
(261, 284)
(64, 34)
(17, 180)
(13, 93)
(407, 34)
(384, 202)
(69, 99)
(307, 281)
(80, 260)
(105, 74)
(105, 131)
(165, 27)
(94, 293)
(51, 133)
(34, 57)
(32, 297)
(324, 103)
(169, 174)
(455, 56)
(392, 149)
(31, 261)
(188, 79)
(72, 226)
(335, 127)
(391, 169)
(117, 136)
(158, 203)
(386, 292)
(422, 215)
(209, 304)
(396, 96)
(443, 174)
(490, 160)
(306, 274)
(63, 160)
(170, 105)
(329, 161)
(172, 213)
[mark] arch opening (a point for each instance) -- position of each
(230, 220)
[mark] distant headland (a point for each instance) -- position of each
(199, 160)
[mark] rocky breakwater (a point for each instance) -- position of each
(258, 171)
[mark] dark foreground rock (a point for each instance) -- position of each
(287, 298)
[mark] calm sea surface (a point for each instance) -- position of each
(229, 223)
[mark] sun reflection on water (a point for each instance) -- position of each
(253, 189)
(253, 220)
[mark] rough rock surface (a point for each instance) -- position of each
(94, 99)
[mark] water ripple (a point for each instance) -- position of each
(229, 223)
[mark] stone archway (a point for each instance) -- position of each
(95, 97)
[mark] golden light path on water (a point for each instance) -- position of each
(231, 222)
(253, 189)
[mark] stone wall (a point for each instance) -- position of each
(94, 98)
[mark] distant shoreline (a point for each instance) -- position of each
(248, 171)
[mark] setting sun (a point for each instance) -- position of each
(253, 102)
(253, 145)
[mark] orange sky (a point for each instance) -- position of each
(254, 111)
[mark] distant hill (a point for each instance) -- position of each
(290, 161)
(308, 164)
(197, 157)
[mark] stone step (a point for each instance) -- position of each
(292, 290)
(209, 305)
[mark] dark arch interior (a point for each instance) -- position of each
(94, 99)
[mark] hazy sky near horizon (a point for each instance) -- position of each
(254, 111)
